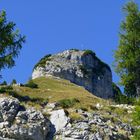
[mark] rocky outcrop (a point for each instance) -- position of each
(19, 123)
(95, 127)
(80, 67)
(90, 126)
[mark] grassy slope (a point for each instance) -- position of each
(57, 89)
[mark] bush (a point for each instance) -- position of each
(136, 135)
(75, 116)
(136, 120)
(2, 90)
(66, 103)
(89, 52)
(42, 61)
(74, 50)
(4, 83)
(13, 82)
(5, 89)
(121, 98)
(136, 116)
(31, 84)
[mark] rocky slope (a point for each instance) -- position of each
(20, 123)
(80, 67)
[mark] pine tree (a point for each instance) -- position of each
(10, 42)
(127, 57)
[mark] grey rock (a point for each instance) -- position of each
(8, 108)
(59, 119)
(84, 70)
(21, 125)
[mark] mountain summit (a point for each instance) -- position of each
(83, 68)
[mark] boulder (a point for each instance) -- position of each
(21, 125)
(59, 119)
(8, 108)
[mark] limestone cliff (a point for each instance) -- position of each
(80, 67)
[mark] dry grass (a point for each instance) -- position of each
(57, 89)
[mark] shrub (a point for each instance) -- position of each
(5, 89)
(13, 82)
(84, 108)
(42, 61)
(2, 90)
(66, 103)
(31, 84)
(136, 116)
(136, 135)
(4, 83)
(89, 52)
(74, 50)
(121, 98)
(75, 116)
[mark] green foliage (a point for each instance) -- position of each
(136, 121)
(127, 57)
(121, 98)
(13, 82)
(136, 116)
(10, 42)
(66, 103)
(136, 135)
(4, 89)
(43, 60)
(89, 52)
(4, 83)
(74, 50)
(31, 84)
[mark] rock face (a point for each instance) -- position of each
(21, 125)
(80, 67)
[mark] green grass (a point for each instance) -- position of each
(69, 96)
(59, 89)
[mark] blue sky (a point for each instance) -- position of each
(51, 26)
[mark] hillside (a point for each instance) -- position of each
(61, 110)
(54, 89)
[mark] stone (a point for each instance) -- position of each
(59, 119)
(21, 125)
(80, 68)
(8, 108)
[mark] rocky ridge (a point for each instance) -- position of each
(80, 67)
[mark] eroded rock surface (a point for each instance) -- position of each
(28, 124)
(79, 67)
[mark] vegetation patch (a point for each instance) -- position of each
(43, 60)
(75, 116)
(89, 52)
(67, 103)
(121, 98)
(31, 84)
